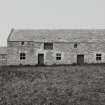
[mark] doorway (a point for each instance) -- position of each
(40, 59)
(80, 59)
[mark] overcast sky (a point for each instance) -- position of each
(34, 14)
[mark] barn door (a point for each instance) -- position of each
(80, 59)
(41, 59)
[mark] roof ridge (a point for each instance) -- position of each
(48, 29)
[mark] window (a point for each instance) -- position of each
(22, 43)
(75, 45)
(22, 56)
(48, 46)
(58, 56)
(98, 57)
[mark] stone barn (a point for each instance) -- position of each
(55, 47)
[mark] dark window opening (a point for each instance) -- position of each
(98, 57)
(22, 43)
(75, 45)
(58, 56)
(22, 56)
(48, 46)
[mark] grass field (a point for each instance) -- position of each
(56, 85)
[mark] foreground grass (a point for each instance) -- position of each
(60, 85)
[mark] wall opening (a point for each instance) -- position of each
(98, 57)
(80, 59)
(40, 59)
(22, 56)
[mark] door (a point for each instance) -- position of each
(80, 59)
(40, 59)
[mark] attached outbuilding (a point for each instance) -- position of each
(3, 55)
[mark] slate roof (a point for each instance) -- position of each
(3, 50)
(58, 35)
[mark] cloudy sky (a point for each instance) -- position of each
(53, 14)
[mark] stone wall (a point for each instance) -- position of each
(67, 50)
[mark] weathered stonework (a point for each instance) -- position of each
(88, 44)
(67, 50)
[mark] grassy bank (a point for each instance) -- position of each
(57, 85)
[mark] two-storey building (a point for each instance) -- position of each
(58, 46)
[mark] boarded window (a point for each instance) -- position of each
(98, 57)
(48, 46)
(58, 56)
(22, 56)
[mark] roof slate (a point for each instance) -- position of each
(58, 35)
